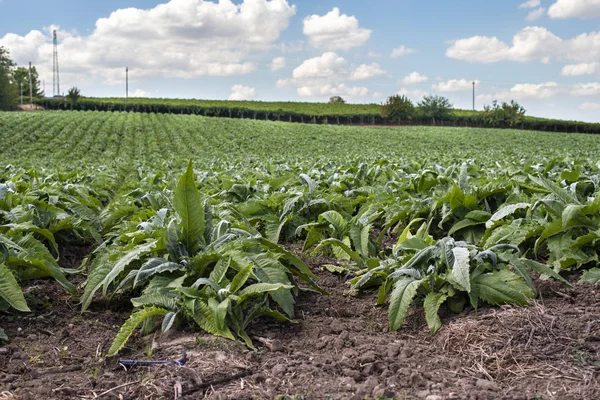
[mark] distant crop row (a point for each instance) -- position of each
(316, 113)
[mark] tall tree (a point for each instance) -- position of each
(21, 77)
(8, 88)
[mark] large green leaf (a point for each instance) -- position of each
(460, 275)
(155, 266)
(129, 327)
(188, 204)
(591, 275)
(432, 304)
(11, 291)
(500, 287)
(401, 298)
(129, 257)
(505, 212)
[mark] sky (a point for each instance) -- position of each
(545, 54)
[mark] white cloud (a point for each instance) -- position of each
(286, 83)
(241, 92)
(536, 14)
(575, 9)
(590, 107)
(414, 78)
(335, 31)
(544, 90)
(366, 71)
(581, 69)
(454, 85)
(585, 89)
(327, 65)
(278, 63)
(139, 93)
(378, 95)
(374, 54)
(181, 38)
(413, 94)
(531, 43)
(402, 51)
(332, 90)
(530, 4)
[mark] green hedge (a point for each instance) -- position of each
(318, 113)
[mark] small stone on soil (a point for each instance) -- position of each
(483, 384)
(279, 370)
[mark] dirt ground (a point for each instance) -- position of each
(339, 349)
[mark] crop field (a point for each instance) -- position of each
(295, 261)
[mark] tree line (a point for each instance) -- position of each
(14, 82)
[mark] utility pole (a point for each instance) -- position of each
(55, 74)
(473, 95)
(30, 86)
(21, 87)
(126, 83)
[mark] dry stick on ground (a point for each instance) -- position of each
(241, 374)
(116, 388)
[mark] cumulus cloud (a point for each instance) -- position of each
(536, 14)
(241, 92)
(590, 107)
(530, 44)
(181, 38)
(413, 94)
(544, 90)
(454, 85)
(278, 63)
(366, 71)
(325, 75)
(335, 31)
(575, 9)
(581, 69)
(530, 4)
(402, 51)
(324, 66)
(332, 90)
(414, 78)
(139, 93)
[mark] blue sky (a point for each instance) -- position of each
(543, 53)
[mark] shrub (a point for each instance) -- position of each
(504, 115)
(435, 107)
(336, 100)
(397, 108)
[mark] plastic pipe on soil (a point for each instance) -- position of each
(133, 363)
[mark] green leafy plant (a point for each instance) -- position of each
(219, 277)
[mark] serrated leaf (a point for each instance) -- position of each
(460, 276)
(432, 304)
(402, 296)
(155, 266)
(129, 327)
(591, 276)
(501, 287)
(129, 257)
(168, 321)
(10, 290)
(188, 205)
(505, 212)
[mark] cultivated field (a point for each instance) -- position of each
(295, 261)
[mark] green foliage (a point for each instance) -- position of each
(21, 78)
(397, 108)
(336, 100)
(73, 95)
(8, 87)
(435, 107)
(504, 114)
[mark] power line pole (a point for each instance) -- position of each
(56, 77)
(21, 87)
(126, 83)
(30, 86)
(473, 95)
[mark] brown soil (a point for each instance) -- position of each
(339, 349)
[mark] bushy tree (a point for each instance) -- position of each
(21, 77)
(73, 95)
(336, 100)
(435, 107)
(397, 108)
(504, 114)
(8, 88)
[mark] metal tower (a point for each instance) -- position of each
(55, 74)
